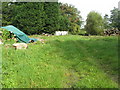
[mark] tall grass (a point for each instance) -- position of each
(63, 61)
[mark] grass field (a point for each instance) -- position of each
(63, 62)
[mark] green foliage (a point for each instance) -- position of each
(71, 61)
(94, 23)
(6, 34)
(74, 28)
(106, 22)
(52, 17)
(82, 32)
(42, 17)
(32, 17)
(73, 15)
(64, 23)
(115, 18)
(29, 17)
(7, 13)
(0, 19)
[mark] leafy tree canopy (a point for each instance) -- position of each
(94, 23)
(115, 18)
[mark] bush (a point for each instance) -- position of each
(74, 29)
(6, 34)
(82, 32)
(94, 23)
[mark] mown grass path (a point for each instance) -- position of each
(63, 61)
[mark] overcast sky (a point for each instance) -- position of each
(85, 6)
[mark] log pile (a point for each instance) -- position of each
(112, 32)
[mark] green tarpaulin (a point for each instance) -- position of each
(21, 36)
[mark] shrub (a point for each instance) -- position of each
(94, 23)
(74, 28)
(82, 32)
(6, 34)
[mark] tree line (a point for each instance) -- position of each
(42, 17)
(96, 24)
(48, 17)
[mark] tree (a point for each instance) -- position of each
(94, 23)
(0, 14)
(29, 17)
(106, 22)
(115, 18)
(73, 16)
(42, 17)
(64, 23)
(7, 11)
(52, 17)
(32, 17)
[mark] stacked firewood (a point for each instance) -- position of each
(112, 32)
